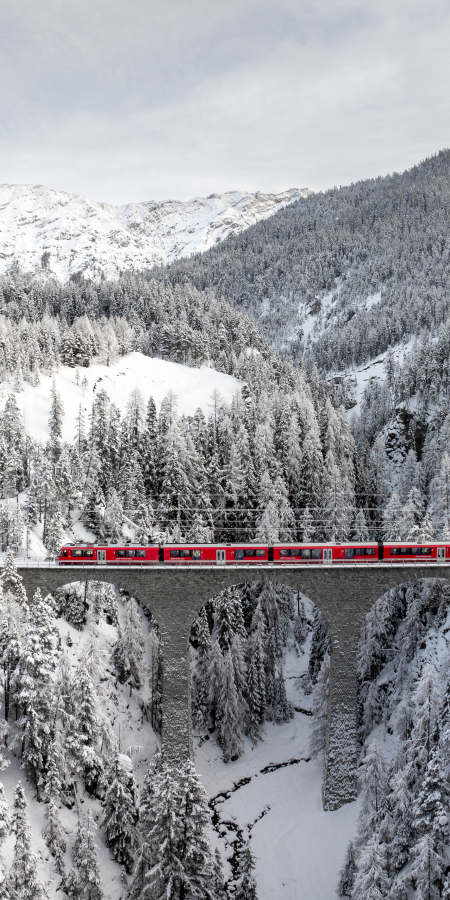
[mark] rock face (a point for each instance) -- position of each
(55, 233)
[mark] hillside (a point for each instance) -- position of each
(53, 233)
(342, 274)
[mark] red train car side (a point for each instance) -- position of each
(214, 554)
(398, 551)
(108, 555)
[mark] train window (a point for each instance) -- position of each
(260, 552)
(305, 554)
(196, 554)
(360, 551)
(250, 553)
(239, 554)
(140, 554)
(129, 553)
(89, 552)
(185, 553)
(370, 551)
(119, 554)
(296, 552)
(284, 552)
(174, 553)
(316, 554)
(425, 551)
(349, 553)
(79, 551)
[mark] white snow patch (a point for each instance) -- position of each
(154, 378)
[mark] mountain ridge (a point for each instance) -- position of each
(63, 234)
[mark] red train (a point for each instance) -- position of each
(252, 554)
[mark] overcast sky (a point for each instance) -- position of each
(152, 99)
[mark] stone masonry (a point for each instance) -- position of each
(175, 595)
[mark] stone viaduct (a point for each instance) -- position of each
(175, 595)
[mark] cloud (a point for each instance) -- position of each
(134, 99)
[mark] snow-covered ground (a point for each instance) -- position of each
(153, 377)
(59, 234)
(299, 848)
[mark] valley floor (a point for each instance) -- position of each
(273, 793)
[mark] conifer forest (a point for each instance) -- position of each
(331, 320)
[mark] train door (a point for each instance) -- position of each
(441, 552)
(327, 555)
(101, 557)
(220, 557)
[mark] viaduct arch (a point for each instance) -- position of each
(176, 595)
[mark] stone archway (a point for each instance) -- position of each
(176, 595)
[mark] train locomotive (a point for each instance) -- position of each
(308, 554)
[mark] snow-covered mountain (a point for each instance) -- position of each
(65, 234)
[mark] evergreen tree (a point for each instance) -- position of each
(84, 881)
(120, 814)
(372, 880)
(256, 683)
(229, 728)
(23, 882)
(11, 581)
(129, 648)
(347, 873)
(245, 884)
(428, 869)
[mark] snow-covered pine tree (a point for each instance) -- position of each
(55, 423)
(197, 855)
(360, 531)
(256, 678)
(145, 857)
(84, 728)
(84, 880)
(30, 687)
(52, 835)
(347, 873)
(5, 827)
(120, 811)
(428, 869)
(245, 884)
(200, 684)
(229, 728)
(23, 882)
(372, 880)
(219, 889)
(12, 582)
(129, 648)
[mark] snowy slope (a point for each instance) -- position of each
(154, 378)
(67, 233)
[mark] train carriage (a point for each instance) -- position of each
(312, 554)
(112, 555)
(407, 551)
(214, 554)
(348, 553)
